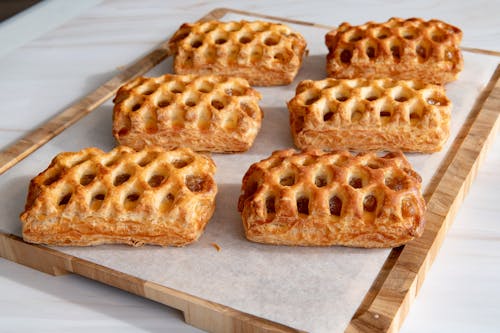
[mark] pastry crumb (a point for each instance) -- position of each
(216, 246)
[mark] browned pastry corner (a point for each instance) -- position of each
(264, 53)
(316, 198)
(204, 113)
(148, 197)
(363, 114)
(400, 49)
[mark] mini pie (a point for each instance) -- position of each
(317, 198)
(264, 53)
(364, 114)
(204, 113)
(148, 197)
(400, 49)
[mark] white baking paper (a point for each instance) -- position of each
(313, 289)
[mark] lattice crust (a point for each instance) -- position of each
(364, 114)
(264, 53)
(204, 113)
(315, 198)
(91, 197)
(411, 49)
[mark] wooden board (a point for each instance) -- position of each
(387, 302)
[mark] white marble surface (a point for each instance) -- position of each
(45, 74)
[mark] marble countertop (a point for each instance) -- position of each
(55, 53)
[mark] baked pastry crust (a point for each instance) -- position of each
(264, 53)
(317, 198)
(364, 114)
(204, 113)
(411, 49)
(148, 197)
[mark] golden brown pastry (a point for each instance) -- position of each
(264, 53)
(204, 113)
(411, 49)
(318, 198)
(148, 197)
(364, 114)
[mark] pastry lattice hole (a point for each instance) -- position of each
(87, 178)
(346, 56)
(131, 200)
(303, 205)
(136, 107)
(148, 158)
(357, 114)
(371, 52)
(196, 43)
(162, 103)
(355, 36)
(370, 203)
(147, 89)
(311, 97)
(97, 200)
(395, 183)
(321, 180)
(167, 202)
(396, 52)
(205, 87)
(402, 95)
(218, 104)
(272, 40)
(280, 57)
(328, 115)
(270, 205)
(382, 33)
(245, 39)
(335, 205)
(156, 180)
(176, 87)
(356, 182)
(196, 183)
(234, 91)
(180, 163)
(370, 94)
(121, 178)
(438, 36)
(423, 52)
(287, 180)
(53, 177)
(342, 95)
(64, 200)
(190, 101)
(221, 40)
(408, 33)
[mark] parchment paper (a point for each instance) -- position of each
(313, 289)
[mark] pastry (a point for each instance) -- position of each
(317, 198)
(204, 113)
(364, 114)
(148, 197)
(264, 53)
(411, 49)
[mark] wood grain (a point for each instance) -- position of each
(388, 300)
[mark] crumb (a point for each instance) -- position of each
(216, 246)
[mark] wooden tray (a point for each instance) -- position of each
(385, 305)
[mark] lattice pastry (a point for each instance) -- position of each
(264, 53)
(411, 49)
(315, 198)
(204, 113)
(148, 197)
(366, 114)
